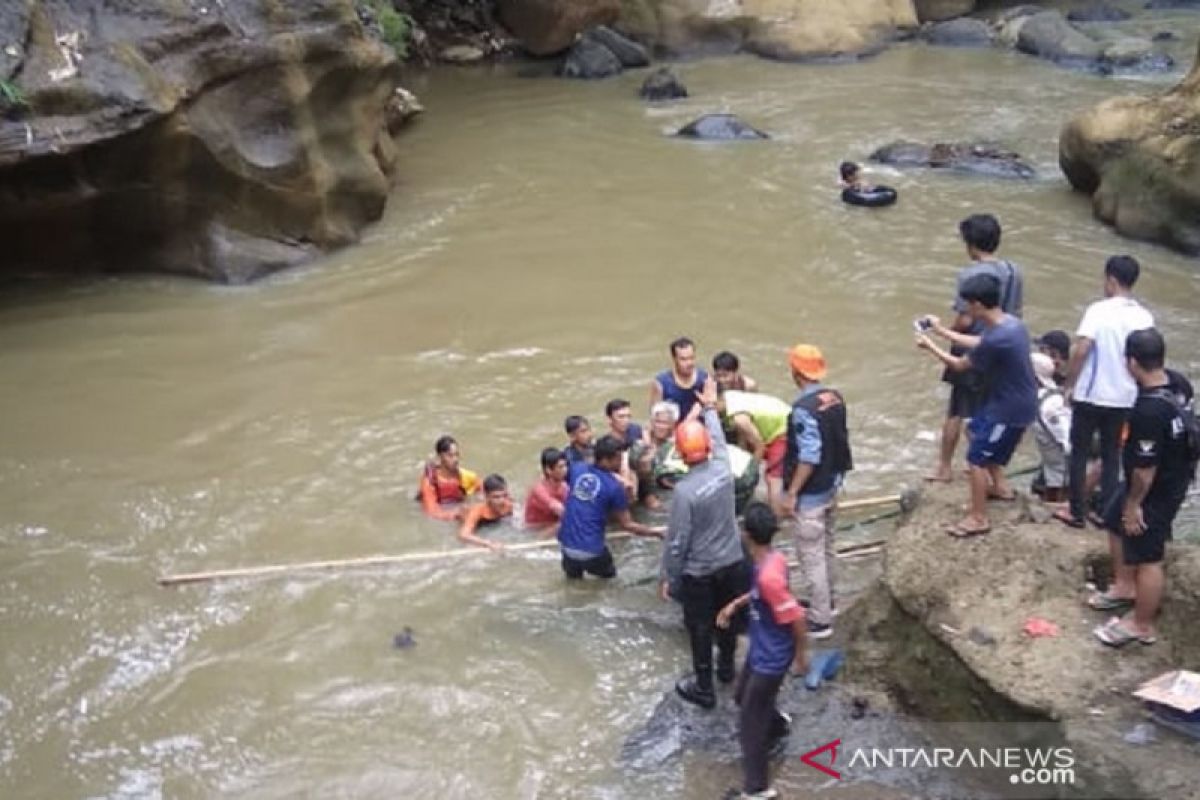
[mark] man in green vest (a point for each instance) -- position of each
(759, 424)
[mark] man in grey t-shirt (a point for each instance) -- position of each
(981, 236)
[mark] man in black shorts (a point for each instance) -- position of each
(1158, 471)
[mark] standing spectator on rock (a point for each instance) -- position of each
(1159, 467)
(815, 462)
(727, 371)
(579, 448)
(703, 564)
(1099, 385)
(1052, 431)
(1001, 355)
(981, 236)
(680, 383)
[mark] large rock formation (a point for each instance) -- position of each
(1139, 158)
(546, 27)
(945, 634)
(941, 10)
(220, 140)
(789, 30)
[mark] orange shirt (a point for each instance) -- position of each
(482, 514)
(438, 491)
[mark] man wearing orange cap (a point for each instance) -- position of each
(818, 457)
(703, 563)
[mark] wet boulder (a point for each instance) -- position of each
(1133, 54)
(1097, 12)
(1048, 35)
(984, 159)
(590, 60)
(941, 10)
(1139, 159)
(663, 84)
(958, 33)
(546, 27)
(628, 52)
(720, 128)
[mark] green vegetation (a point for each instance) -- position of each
(395, 26)
(11, 96)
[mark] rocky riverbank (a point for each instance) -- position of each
(943, 633)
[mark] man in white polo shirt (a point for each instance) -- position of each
(1099, 385)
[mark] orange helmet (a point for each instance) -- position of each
(692, 441)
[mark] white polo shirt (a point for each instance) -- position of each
(1104, 379)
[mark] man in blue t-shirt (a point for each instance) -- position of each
(595, 494)
(1001, 354)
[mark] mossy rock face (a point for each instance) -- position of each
(1139, 158)
(222, 142)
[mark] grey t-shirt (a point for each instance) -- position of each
(1012, 287)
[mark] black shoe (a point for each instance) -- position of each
(691, 690)
(726, 672)
(781, 726)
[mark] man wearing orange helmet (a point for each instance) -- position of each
(704, 565)
(817, 459)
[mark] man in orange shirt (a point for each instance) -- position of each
(496, 505)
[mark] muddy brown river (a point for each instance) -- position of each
(544, 243)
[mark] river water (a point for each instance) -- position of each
(544, 243)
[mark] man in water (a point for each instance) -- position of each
(1158, 471)
(703, 564)
(621, 424)
(981, 236)
(727, 371)
(1002, 356)
(579, 440)
(817, 459)
(544, 505)
(680, 383)
(596, 494)
(496, 505)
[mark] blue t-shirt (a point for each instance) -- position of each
(633, 433)
(594, 494)
(773, 609)
(1010, 388)
(684, 398)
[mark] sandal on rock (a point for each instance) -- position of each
(1003, 498)
(1064, 516)
(1115, 633)
(1103, 601)
(960, 531)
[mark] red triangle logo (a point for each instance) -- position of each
(832, 747)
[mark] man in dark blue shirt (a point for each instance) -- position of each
(596, 493)
(1001, 354)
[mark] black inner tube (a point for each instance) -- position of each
(874, 197)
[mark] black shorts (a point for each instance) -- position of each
(1151, 546)
(964, 400)
(601, 566)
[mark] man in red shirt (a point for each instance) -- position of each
(544, 505)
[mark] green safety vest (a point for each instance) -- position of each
(769, 414)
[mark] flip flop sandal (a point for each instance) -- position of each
(1066, 519)
(960, 532)
(1103, 601)
(1114, 633)
(1003, 498)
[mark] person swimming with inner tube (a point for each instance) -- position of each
(445, 486)
(857, 192)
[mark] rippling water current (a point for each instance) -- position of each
(544, 243)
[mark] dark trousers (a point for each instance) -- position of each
(702, 597)
(759, 725)
(1086, 420)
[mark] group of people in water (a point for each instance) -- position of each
(711, 438)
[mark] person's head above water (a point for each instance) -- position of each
(495, 493)
(683, 357)
(579, 431)
(447, 452)
(608, 452)
(554, 463)
(664, 416)
(850, 172)
(619, 414)
(725, 369)
(981, 235)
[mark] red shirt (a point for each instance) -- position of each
(538, 506)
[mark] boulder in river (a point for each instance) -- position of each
(218, 140)
(628, 52)
(958, 33)
(975, 158)
(1097, 12)
(590, 60)
(546, 27)
(663, 84)
(942, 10)
(720, 128)
(1139, 159)
(1048, 35)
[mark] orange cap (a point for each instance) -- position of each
(692, 441)
(808, 361)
